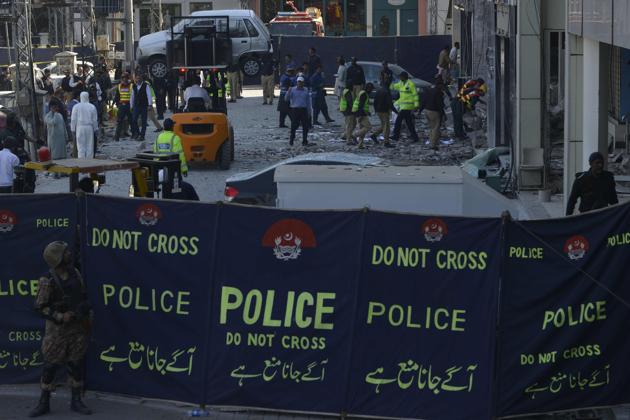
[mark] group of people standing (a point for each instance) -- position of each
(354, 103)
(302, 95)
(303, 98)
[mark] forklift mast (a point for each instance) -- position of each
(199, 42)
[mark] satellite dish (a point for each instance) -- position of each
(396, 2)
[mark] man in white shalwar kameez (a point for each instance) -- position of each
(83, 124)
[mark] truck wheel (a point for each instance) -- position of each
(232, 143)
(157, 67)
(224, 155)
(250, 66)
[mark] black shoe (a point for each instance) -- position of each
(139, 138)
(388, 145)
(160, 117)
(126, 135)
(232, 100)
(393, 138)
(157, 130)
(76, 404)
(291, 142)
(316, 123)
(374, 138)
(283, 126)
(43, 407)
(330, 120)
(306, 143)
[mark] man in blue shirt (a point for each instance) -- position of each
(298, 99)
(286, 81)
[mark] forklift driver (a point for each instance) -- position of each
(196, 91)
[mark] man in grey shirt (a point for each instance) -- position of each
(298, 99)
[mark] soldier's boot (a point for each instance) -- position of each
(76, 404)
(43, 407)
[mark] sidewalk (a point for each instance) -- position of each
(17, 400)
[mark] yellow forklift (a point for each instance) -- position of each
(202, 43)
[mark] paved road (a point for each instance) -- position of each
(17, 401)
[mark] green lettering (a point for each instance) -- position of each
(321, 309)
(227, 304)
(372, 311)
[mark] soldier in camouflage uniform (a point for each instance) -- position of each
(62, 301)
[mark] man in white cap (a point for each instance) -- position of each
(298, 98)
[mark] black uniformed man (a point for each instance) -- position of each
(595, 188)
(62, 301)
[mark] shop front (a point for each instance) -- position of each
(341, 17)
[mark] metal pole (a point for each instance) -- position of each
(129, 56)
(6, 32)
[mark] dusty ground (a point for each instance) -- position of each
(260, 142)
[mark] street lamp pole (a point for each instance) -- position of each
(129, 53)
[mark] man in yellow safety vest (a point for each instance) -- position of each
(345, 106)
(169, 142)
(122, 99)
(361, 109)
(408, 102)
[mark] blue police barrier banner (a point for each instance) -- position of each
(283, 308)
(27, 224)
(424, 335)
(366, 313)
(148, 267)
(565, 314)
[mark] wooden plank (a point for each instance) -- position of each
(81, 166)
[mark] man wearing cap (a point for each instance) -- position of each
(595, 188)
(298, 99)
(408, 102)
(62, 301)
(169, 142)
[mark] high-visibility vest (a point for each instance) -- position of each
(152, 95)
(220, 87)
(214, 83)
(124, 93)
(366, 105)
(343, 103)
(470, 93)
(408, 99)
(169, 142)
